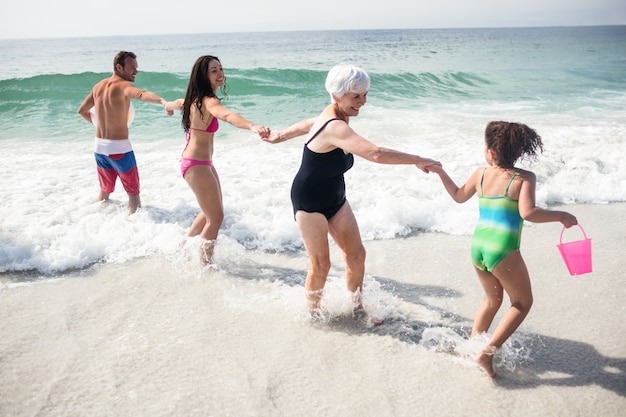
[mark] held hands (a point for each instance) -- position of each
(429, 165)
(435, 167)
(170, 106)
(262, 131)
(167, 105)
(275, 137)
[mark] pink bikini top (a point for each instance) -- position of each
(211, 128)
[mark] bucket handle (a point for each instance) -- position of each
(581, 229)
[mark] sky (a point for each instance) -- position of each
(72, 18)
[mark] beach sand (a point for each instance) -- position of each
(160, 337)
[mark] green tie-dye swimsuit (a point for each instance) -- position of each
(499, 228)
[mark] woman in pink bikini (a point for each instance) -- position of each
(201, 109)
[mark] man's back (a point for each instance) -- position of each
(112, 108)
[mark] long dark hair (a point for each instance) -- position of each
(198, 88)
(512, 141)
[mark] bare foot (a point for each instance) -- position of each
(206, 251)
(318, 315)
(368, 319)
(314, 299)
(485, 360)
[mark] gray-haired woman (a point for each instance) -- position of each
(318, 191)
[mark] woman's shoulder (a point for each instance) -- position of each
(326, 124)
(210, 101)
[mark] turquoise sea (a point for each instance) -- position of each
(432, 93)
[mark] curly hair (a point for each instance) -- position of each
(512, 141)
(198, 88)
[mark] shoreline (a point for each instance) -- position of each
(160, 338)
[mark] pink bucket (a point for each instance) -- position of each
(577, 254)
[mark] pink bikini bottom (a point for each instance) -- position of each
(186, 163)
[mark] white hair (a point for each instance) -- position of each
(346, 78)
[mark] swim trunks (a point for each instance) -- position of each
(319, 185)
(115, 158)
(499, 228)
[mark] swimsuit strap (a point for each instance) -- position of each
(510, 181)
(320, 129)
(481, 181)
(506, 190)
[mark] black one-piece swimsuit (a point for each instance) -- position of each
(319, 186)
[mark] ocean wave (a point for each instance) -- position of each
(269, 82)
(432, 93)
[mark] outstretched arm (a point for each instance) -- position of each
(341, 135)
(458, 194)
(297, 129)
(215, 107)
(174, 105)
(135, 93)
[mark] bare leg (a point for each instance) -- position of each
(314, 231)
(197, 226)
(491, 303)
(345, 232)
(102, 196)
(511, 275)
(485, 315)
(134, 202)
(204, 182)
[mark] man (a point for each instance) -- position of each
(111, 99)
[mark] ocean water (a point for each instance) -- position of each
(432, 93)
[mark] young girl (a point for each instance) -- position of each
(506, 197)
